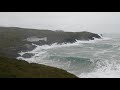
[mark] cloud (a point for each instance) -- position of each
(70, 21)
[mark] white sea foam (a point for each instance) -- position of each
(41, 50)
(40, 56)
(109, 71)
(101, 74)
(55, 45)
(109, 68)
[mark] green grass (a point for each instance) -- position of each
(12, 68)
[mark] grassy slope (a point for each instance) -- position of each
(12, 68)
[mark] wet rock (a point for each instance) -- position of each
(27, 47)
(27, 55)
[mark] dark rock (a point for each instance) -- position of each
(27, 47)
(27, 55)
(69, 40)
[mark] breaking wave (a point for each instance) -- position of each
(97, 58)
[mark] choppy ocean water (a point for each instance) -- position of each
(99, 58)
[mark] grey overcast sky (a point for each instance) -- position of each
(98, 22)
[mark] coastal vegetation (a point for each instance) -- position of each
(12, 68)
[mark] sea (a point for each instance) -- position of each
(99, 58)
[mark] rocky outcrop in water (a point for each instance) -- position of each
(27, 55)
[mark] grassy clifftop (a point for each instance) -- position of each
(12, 68)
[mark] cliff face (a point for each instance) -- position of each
(14, 40)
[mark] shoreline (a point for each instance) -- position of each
(14, 40)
